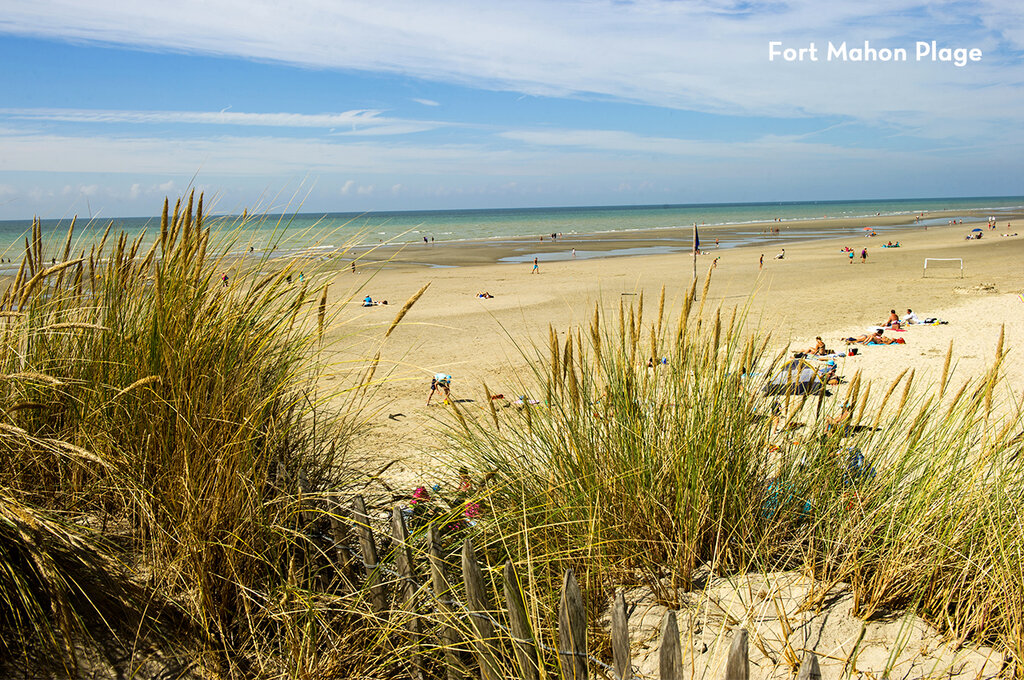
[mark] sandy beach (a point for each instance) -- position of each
(814, 290)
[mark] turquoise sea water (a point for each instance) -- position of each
(326, 232)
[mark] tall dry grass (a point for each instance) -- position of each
(637, 471)
(157, 427)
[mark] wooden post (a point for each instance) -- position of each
(523, 641)
(620, 639)
(407, 587)
(303, 483)
(339, 533)
(572, 630)
(484, 648)
(443, 595)
(809, 669)
(368, 547)
(737, 666)
(671, 656)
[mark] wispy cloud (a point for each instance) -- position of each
(707, 56)
(426, 102)
(366, 122)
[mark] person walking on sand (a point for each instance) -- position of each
(864, 256)
(536, 267)
(851, 253)
(760, 265)
(224, 279)
(574, 253)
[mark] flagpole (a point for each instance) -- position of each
(695, 245)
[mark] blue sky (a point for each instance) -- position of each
(352, 105)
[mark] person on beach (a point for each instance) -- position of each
(819, 347)
(852, 255)
(440, 383)
(367, 301)
(893, 321)
(760, 265)
(911, 318)
(827, 373)
(864, 256)
(353, 266)
(574, 253)
(224, 279)
(782, 255)
(536, 267)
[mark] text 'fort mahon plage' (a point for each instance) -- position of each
(922, 51)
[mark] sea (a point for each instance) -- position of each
(323, 233)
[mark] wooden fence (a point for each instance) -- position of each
(462, 616)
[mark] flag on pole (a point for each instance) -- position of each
(696, 239)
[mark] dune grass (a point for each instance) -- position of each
(157, 427)
(635, 470)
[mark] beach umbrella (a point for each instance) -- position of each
(869, 228)
(976, 229)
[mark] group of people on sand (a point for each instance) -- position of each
(485, 295)
(370, 302)
(876, 335)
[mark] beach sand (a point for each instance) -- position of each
(815, 290)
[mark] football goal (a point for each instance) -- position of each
(944, 264)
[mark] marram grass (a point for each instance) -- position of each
(654, 458)
(156, 426)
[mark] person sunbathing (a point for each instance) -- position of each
(875, 338)
(827, 373)
(819, 347)
(894, 320)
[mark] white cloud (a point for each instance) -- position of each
(426, 102)
(347, 187)
(350, 122)
(709, 55)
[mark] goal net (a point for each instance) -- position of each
(944, 264)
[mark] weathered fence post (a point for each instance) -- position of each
(523, 641)
(443, 596)
(407, 586)
(620, 639)
(671, 656)
(368, 547)
(339, 533)
(305, 517)
(572, 630)
(484, 648)
(809, 669)
(737, 666)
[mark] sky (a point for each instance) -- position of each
(366, 105)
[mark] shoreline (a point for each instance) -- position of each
(643, 242)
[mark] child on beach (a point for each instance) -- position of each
(440, 383)
(536, 267)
